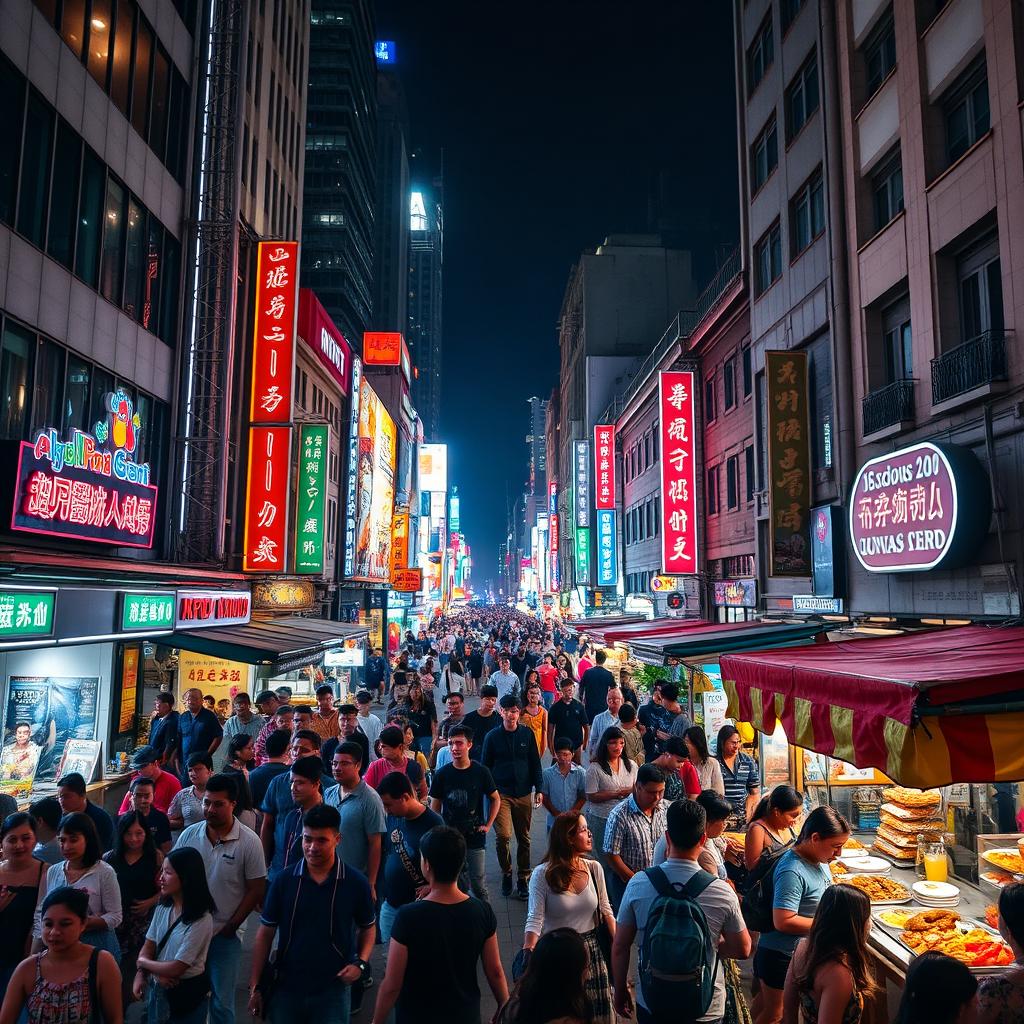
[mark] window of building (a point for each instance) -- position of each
(879, 53)
(710, 405)
(896, 341)
(60, 241)
(768, 259)
(802, 97)
(732, 481)
(729, 382)
(819, 387)
(712, 491)
(140, 87)
(966, 111)
(136, 246)
(100, 27)
(12, 113)
(90, 218)
(121, 66)
(760, 54)
(647, 451)
(764, 155)
(748, 470)
(76, 394)
(788, 10)
(72, 25)
(48, 393)
(887, 190)
(807, 214)
(980, 290)
(748, 375)
(654, 440)
(15, 380)
(35, 169)
(112, 263)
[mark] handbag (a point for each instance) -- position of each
(604, 936)
(189, 992)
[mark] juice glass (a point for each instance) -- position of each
(935, 867)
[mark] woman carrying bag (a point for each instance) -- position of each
(454, 676)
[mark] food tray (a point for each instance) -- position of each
(847, 880)
(986, 855)
(877, 917)
(964, 925)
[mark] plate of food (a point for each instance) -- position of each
(944, 931)
(879, 889)
(1005, 859)
(998, 878)
(894, 917)
(838, 868)
(865, 865)
(852, 845)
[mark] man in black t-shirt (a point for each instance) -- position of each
(594, 686)
(483, 720)
(568, 718)
(457, 793)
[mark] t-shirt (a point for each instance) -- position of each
(462, 792)
(187, 805)
(164, 788)
(362, 816)
(720, 906)
(188, 943)
(481, 726)
(158, 825)
(197, 732)
(404, 835)
(594, 686)
(260, 778)
(278, 802)
(568, 720)
(548, 676)
(104, 824)
(444, 941)
(381, 767)
(798, 887)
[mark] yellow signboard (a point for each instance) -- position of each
(219, 676)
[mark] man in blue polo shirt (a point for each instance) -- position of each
(327, 898)
(199, 732)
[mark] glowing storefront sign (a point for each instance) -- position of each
(678, 472)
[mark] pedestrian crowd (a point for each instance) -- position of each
(342, 828)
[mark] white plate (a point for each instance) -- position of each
(1009, 850)
(936, 891)
(866, 865)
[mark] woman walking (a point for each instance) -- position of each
(22, 886)
(454, 676)
(534, 716)
(740, 776)
(553, 990)
(241, 748)
(610, 778)
(709, 771)
(567, 890)
(174, 955)
(421, 714)
(186, 806)
(71, 981)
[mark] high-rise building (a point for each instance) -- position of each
(341, 143)
(537, 444)
(391, 221)
(426, 258)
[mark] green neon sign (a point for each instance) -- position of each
(25, 613)
(582, 556)
(147, 611)
(311, 499)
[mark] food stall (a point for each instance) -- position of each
(940, 714)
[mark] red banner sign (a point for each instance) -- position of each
(273, 347)
(678, 472)
(266, 507)
(317, 330)
(604, 466)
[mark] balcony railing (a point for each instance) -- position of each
(892, 404)
(971, 365)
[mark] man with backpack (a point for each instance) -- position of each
(683, 920)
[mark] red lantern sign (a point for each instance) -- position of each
(273, 348)
(604, 466)
(266, 508)
(678, 472)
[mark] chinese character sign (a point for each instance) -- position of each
(352, 469)
(266, 507)
(607, 557)
(676, 405)
(311, 499)
(24, 613)
(789, 463)
(582, 557)
(604, 466)
(581, 483)
(399, 543)
(273, 345)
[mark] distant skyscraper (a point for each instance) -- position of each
(341, 143)
(537, 444)
(426, 255)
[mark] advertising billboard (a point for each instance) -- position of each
(318, 332)
(273, 343)
(678, 472)
(266, 505)
(581, 483)
(352, 468)
(433, 467)
(311, 498)
(604, 466)
(607, 557)
(375, 488)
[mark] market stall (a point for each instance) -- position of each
(940, 713)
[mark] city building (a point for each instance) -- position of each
(340, 169)
(537, 445)
(930, 95)
(426, 271)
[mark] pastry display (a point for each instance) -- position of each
(878, 888)
(906, 814)
(1005, 859)
(913, 798)
(942, 931)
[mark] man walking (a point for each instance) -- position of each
(325, 718)
(244, 720)
(163, 727)
(511, 755)
(146, 763)
(369, 724)
(276, 763)
(199, 732)
(483, 720)
(236, 873)
(324, 910)
(458, 793)
(633, 829)
(567, 719)
(267, 703)
(606, 719)
(595, 684)
(563, 784)
(71, 794)
(505, 680)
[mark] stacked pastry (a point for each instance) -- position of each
(906, 814)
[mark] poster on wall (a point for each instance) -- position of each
(18, 760)
(57, 709)
(80, 756)
(218, 676)
(375, 489)
(129, 688)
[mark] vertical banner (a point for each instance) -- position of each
(789, 463)
(399, 543)
(679, 552)
(352, 469)
(604, 466)
(553, 541)
(581, 483)
(311, 499)
(582, 557)
(273, 345)
(607, 568)
(266, 510)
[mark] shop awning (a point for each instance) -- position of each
(927, 709)
(727, 636)
(598, 623)
(282, 644)
(636, 631)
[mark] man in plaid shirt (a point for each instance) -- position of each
(634, 827)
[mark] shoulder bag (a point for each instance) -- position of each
(184, 997)
(604, 936)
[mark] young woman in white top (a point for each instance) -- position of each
(83, 868)
(610, 778)
(567, 890)
(709, 771)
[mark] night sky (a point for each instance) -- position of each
(561, 122)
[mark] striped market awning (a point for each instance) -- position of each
(927, 709)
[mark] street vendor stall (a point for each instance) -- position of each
(941, 714)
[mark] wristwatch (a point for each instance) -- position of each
(362, 965)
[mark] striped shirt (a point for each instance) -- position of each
(632, 834)
(740, 783)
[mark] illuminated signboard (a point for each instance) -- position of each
(266, 507)
(582, 556)
(907, 511)
(384, 50)
(789, 463)
(735, 594)
(375, 480)
(212, 608)
(382, 348)
(26, 613)
(553, 497)
(607, 559)
(604, 466)
(273, 347)
(581, 483)
(399, 543)
(311, 498)
(453, 513)
(351, 480)
(318, 332)
(408, 581)
(678, 472)
(142, 611)
(432, 461)
(88, 487)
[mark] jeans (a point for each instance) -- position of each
(386, 921)
(331, 1006)
(423, 745)
(222, 966)
(616, 888)
(515, 814)
(159, 1011)
(471, 879)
